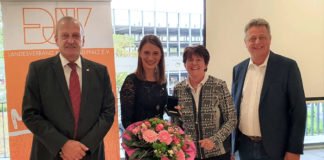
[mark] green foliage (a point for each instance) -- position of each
(154, 139)
(3, 99)
(142, 154)
(1, 42)
(160, 148)
(124, 45)
(3, 107)
(314, 124)
(120, 78)
(1, 36)
(155, 122)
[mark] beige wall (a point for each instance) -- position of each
(297, 28)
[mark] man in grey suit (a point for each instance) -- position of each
(68, 103)
(269, 97)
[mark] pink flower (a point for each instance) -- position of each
(165, 137)
(126, 137)
(165, 158)
(180, 131)
(136, 130)
(144, 126)
(159, 127)
(143, 130)
(190, 148)
(180, 155)
(170, 129)
(150, 136)
(147, 123)
(176, 140)
(128, 150)
(179, 144)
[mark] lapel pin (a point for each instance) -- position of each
(88, 69)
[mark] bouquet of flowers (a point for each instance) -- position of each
(156, 139)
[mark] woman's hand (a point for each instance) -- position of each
(179, 108)
(207, 144)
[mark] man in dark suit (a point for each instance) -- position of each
(269, 97)
(68, 103)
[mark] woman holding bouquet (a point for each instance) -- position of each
(207, 111)
(143, 94)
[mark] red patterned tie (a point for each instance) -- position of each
(75, 94)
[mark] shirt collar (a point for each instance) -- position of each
(264, 64)
(200, 84)
(64, 61)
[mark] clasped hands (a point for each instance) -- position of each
(206, 144)
(73, 150)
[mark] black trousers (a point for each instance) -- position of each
(226, 156)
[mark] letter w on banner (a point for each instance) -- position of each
(29, 35)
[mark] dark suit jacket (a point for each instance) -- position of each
(47, 110)
(282, 109)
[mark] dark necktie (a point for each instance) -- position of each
(75, 95)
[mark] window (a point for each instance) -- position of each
(170, 21)
(173, 51)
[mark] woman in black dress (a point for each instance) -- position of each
(143, 94)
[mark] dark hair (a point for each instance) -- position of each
(160, 70)
(198, 50)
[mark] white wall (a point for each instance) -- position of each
(297, 28)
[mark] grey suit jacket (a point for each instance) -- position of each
(282, 108)
(47, 110)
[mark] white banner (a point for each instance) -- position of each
(29, 29)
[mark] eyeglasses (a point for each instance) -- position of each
(255, 38)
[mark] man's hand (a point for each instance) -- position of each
(73, 150)
(291, 156)
(232, 156)
(207, 144)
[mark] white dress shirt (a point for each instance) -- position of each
(249, 110)
(196, 92)
(67, 70)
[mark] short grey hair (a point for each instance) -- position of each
(68, 19)
(257, 22)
